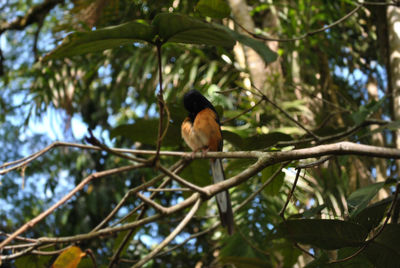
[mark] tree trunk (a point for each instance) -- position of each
(255, 64)
(378, 140)
(393, 16)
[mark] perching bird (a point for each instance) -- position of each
(201, 131)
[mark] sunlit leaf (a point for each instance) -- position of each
(70, 258)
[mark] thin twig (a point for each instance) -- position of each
(235, 209)
(250, 243)
(170, 190)
(304, 250)
(257, 36)
(286, 114)
(94, 141)
(183, 181)
(177, 167)
(161, 103)
(90, 253)
(172, 235)
(265, 184)
(242, 113)
(388, 215)
(155, 205)
(282, 212)
(315, 163)
(210, 229)
(19, 253)
(21, 238)
(79, 187)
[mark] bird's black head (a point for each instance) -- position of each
(194, 102)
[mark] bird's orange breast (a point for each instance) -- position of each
(204, 132)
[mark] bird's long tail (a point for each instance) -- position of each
(223, 198)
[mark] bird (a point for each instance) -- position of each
(201, 130)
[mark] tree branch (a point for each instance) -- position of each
(79, 187)
(172, 235)
(183, 181)
(148, 201)
(264, 159)
(175, 168)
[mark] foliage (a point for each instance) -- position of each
(105, 74)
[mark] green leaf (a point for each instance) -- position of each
(236, 166)
(236, 247)
(146, 131)
(323, 260)
(220, 111)
(143, 130)
(275, 185)
(213, 8)
(264, 140)
(365, 111)
(33, 261)
(243, 262)
(198, 172)
(371, 216)
(310, 213)
(166, 27)
(290, 255)
(360, 198)
(232, 138)
(93, 41)
(355, 262)
(384, 251)
(261, 48)
(86, 263)
(320, 261)
(326, 234)
(392, 126)
(177, 28)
